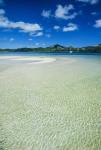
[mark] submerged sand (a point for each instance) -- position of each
(32, 59)
(50, 106)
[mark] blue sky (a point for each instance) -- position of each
(37, 23)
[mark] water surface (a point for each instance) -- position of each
(51, 106)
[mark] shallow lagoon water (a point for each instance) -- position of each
(51, 106)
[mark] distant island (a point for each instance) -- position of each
(58, 48)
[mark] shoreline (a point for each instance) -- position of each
(48, 53)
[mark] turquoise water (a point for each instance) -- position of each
(51, 106)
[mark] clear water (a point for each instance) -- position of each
(51, 106)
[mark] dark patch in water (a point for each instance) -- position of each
(2, 145)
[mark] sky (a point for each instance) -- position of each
(42, 23)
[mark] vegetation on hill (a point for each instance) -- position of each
(58, 48)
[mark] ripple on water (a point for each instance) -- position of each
(54, 106)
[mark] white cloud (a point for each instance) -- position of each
(61, 12)
(2, 12)
(89, 1)
(64, 12)
(37, 44)
(11, 39)
(44, 44)
(30, 39)
(48, 35)
(22, 26)
(98, 23)
(39, 34)
(1, 2)
(56, 27)
(94, 13)
(46, 13)
(70, 27)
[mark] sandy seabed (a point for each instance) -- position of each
(55, 105)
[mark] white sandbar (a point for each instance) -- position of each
(34, 60)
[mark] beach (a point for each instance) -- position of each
(50, 102)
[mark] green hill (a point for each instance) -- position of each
(58, 48)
